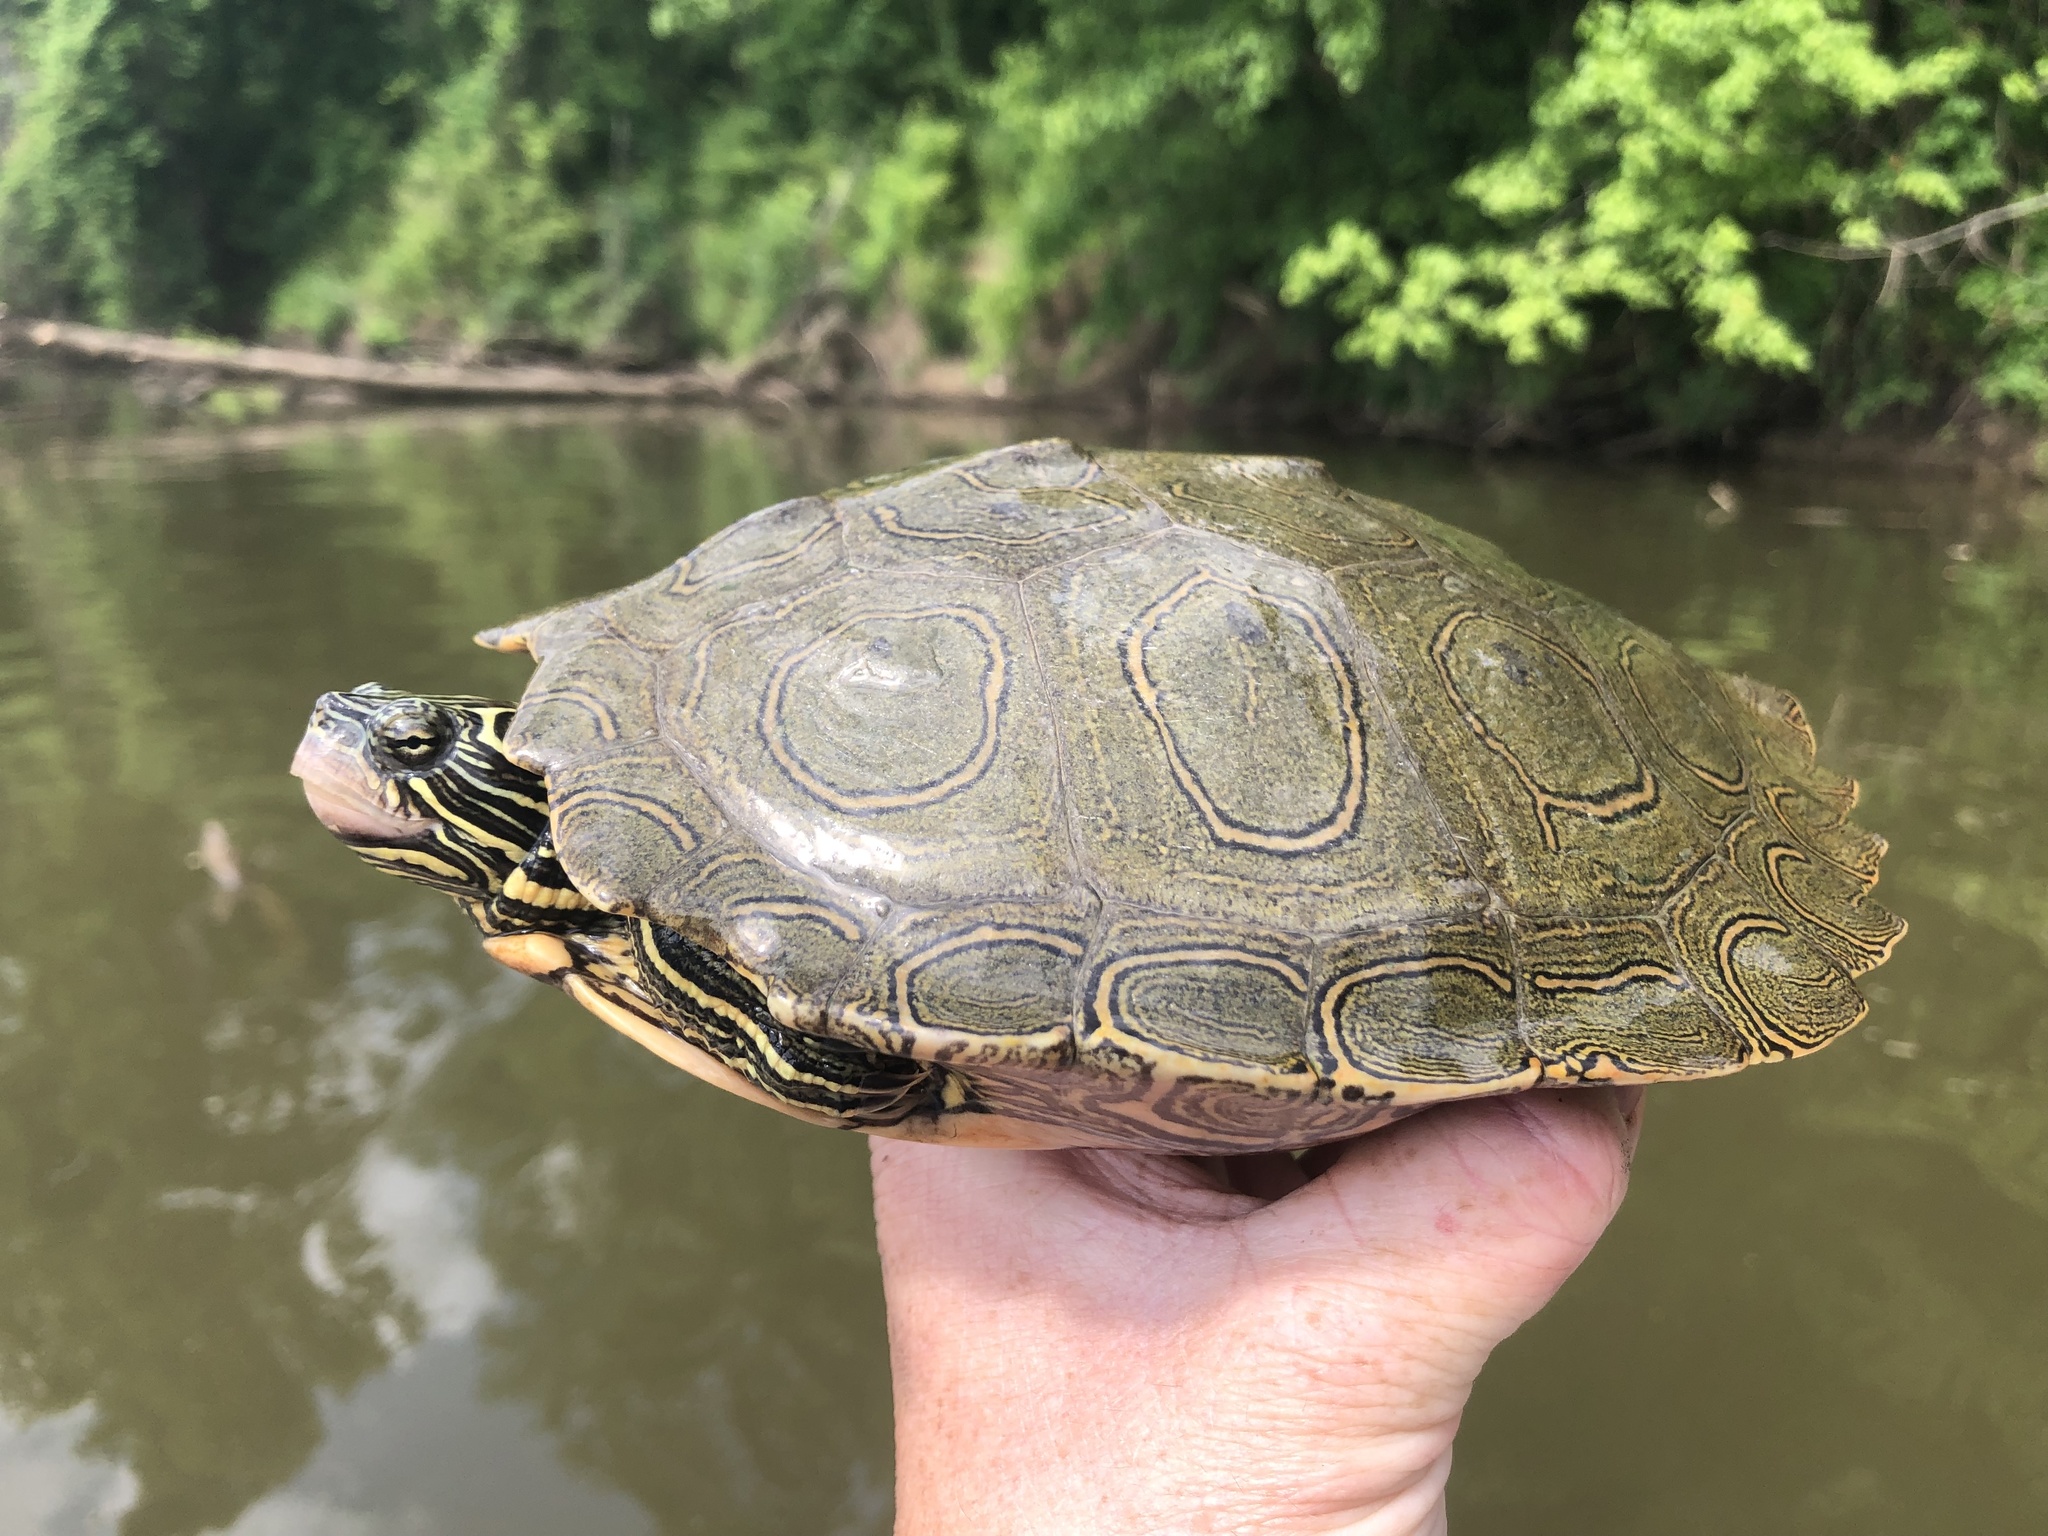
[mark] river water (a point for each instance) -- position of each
(312, 1220)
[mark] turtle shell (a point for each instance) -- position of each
(1197, 800)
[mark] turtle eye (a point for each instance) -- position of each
(411, 735)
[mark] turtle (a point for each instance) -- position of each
(1054, 797)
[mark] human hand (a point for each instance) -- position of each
(1123, 1344)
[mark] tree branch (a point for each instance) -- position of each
(1895, 253)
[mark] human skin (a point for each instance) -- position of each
(1125, 1344)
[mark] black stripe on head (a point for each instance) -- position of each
(423, 786)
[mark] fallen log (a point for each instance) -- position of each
(445, 379)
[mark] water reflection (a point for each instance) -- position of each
(1830, 1282)
(271, 1158)
(52, 1485)
(312, 1220)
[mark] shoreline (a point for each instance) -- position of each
(2002, 449)
(738, 386)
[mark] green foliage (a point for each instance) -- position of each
(168, 161)
(2014, 305)
(479, 241)
(683, 176)
(1150, 150)
(755, 242)
(516, 212)
(1678, 128)
(1568, 218)
(1677, 140)
(912, 225)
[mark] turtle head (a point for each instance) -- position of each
(420, 785)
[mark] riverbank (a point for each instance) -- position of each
(1985, 446)
(775, 379)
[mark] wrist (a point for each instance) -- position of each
(1008, 1427)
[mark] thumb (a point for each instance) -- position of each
(1479, 1210)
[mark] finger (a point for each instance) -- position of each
(962, 1188)
(1156, 1186)
(1572, 1137)
(1629, 1099)
(1319, 1160)
(976, 1196)
(1464, 1219)
(1529, 1178)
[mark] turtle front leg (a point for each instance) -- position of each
(536, 915)
(539, 896)
(690, 1006)
(720, 1010)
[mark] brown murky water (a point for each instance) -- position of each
(313, 1221)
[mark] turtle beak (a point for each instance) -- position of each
(342, 786)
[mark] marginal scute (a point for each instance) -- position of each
(995, 985)
(1817, 815)
(1828, 905)
(801, 935)
(537, 634)
(1806, 800)
(1777, 721)
(1779, 990)
(1426, 1011)
(582, 698)
(629, 823)
(1224, 1001)
(1608, 1002)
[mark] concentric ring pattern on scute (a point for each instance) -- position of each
(1197, 800)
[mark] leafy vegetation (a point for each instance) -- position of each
(1672, 217)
